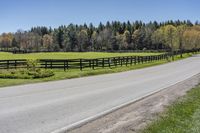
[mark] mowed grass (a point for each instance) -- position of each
(181, 117)
(60, 74)
(68, 55)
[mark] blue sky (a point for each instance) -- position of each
(24, 14)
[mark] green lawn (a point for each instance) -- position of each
(68, 55)
(181, 117)
(60, 74)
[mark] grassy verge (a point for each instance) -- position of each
(60, 74)
(181, 117)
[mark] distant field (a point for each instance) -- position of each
(68, 55)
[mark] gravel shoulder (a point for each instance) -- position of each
(134, 117)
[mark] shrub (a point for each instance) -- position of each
(32, 64)
(26, 73)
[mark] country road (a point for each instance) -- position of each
(53, 106)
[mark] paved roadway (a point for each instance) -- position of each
(51, 106)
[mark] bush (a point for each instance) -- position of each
(26, 73)
(32, 64)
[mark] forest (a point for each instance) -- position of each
(111, 36)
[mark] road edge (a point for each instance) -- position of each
(100, 115)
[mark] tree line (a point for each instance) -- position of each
(169, 35)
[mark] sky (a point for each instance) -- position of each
(24, 14)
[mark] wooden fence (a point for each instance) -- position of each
(13, 64)
(99, 62)
(66, 64)
(83, 63)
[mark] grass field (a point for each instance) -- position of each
(68, 55)
(181, 117)
(75, 73)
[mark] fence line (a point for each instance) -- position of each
(66, 64)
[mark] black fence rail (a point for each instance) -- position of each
(99, 62)
(81, 64)
(13, 64)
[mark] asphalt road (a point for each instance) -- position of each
(51, 106)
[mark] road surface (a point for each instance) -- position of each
(54, 106)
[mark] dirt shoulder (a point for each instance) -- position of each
(136, 116)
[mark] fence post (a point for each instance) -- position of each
(7, 64)
(103, 63)
(126, 60)
(90, 63)
(67, 64)
(93, 64)
(142, 58)
(114, 60)
(45, 64)
(81, 67)
(131, 60)
(138, 58)
(135, 60)
(27, 66)
(51, 64)
(15, 64)
(64, 66)
(97, 62)
(118, 61)
(109, 61)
